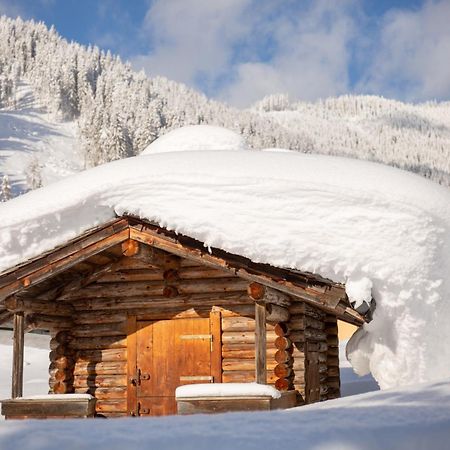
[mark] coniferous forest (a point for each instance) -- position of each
(119, 112)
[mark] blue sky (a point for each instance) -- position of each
(241, 50)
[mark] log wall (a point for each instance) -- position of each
(333, 376)
(98, 337)
(89, 337)
(303, 353)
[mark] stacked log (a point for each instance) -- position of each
(315, 350)
(284, 370)
(61, 363)
(100, 367)
(140, 287)
(333, 378)
(238, 346)
(296, 326)
(306, 331)
(42, 314)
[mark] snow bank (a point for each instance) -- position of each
(402, 419)
(197, 137)
(35, 364)
(226, 390)
(351, 221)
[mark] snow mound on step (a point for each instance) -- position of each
(226, 390)
(197, 137)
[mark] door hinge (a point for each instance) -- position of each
(187, 337)
(200, 337)
(197, 378)
(136, 379)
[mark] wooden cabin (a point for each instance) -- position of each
(135, 310)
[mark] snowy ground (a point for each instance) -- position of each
(28, 133)
(407, 418)
(35, 363)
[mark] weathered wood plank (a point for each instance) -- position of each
(326, 299)
(18, 348)
(61, 260)
(152, 303)
(103, 355)
(99, 343)
(260, 343)
(216, 350)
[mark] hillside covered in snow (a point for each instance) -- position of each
(64, 107)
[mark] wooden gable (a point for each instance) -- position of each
(82, 260)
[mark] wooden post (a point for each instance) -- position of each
(260, 343)
(18, 344)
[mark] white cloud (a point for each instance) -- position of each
(220, 47)
(311, 61)
(192, 38)
(412, 59)
(215, 40)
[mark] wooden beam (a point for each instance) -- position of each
(260, 343)
(332, 301)
(131, 345)
(215, 320)
(18, 346)
(268, 295)
(48, 270)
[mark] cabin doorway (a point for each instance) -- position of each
(165, 354)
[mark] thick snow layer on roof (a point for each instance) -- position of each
(197, 137)
(413, 418)
(378, 229)
(226, 390)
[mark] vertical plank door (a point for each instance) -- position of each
(170, 353)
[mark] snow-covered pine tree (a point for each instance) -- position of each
(119, 112)
(5, 193)
(34, 174)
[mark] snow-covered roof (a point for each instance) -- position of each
(380, 230)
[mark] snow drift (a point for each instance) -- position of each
(413, 418)
(382, 231)
(197, 137)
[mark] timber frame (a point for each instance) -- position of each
(291, 315)
(309, 288)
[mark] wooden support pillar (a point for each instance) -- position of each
(260, 343)
(18, 345)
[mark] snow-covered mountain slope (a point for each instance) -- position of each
(412, 137)
(119, 112)
(35, 148)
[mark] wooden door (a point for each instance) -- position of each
(166, 354)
